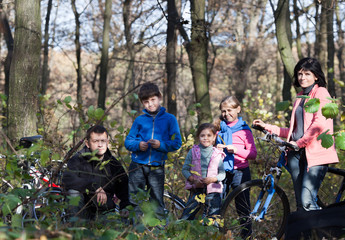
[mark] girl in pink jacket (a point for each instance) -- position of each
(204, 173)
(308, 165)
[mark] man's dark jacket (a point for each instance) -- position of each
(82, 174)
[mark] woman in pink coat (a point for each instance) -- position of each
(308, 166)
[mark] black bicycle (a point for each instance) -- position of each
(332, 188)
(265, 215)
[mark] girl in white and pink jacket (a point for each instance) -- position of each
(204, 171)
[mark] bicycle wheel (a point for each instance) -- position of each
(241, 222)
(47, 205)
(331, 189)
(173, 204)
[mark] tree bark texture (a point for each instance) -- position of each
(45, 67)
(198, 60)
(104, 57)
(171, 57)
(330, 47)
(6, 30)
(78, 56)
(131, 54)
(283, 32)
(322, 50)
(25, 68)
(341, 51)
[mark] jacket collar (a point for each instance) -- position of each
(161, 111)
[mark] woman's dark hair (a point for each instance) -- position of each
(96, 129)
(204, 126)
(313, 65)
(148, 90)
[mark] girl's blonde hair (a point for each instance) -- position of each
(233, 102)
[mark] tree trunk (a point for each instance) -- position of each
(130, 50)
(78, 56)
(104, 58)
(341, 52)
(171, 57)
(330, 47)
(6, 30)
(283, 32)
(25, 68)
(45, 67)
(322, 50)
(198, 60)
(298, 33)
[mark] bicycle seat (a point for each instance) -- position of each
(26, 142)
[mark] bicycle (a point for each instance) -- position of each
(265, 216)
(330, 193)
(41, 189)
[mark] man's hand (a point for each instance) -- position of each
(154, 143)
(143, 146)
(101, 196)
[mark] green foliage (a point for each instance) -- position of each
(326, 139)
(312, 106)
(340, 140)
(330, 110)
(282, 106)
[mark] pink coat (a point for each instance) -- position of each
(314, 125)
(212, 169)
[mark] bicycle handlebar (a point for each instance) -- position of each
(270, 136)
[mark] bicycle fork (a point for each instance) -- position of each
(269, 188)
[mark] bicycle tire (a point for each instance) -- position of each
(173, 204)
(331, 190)
(273, 225)
(37, 211)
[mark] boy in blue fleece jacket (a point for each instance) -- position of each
(152, 136)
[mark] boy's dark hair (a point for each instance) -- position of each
(96, 129)
(204, 126)
(148, 90)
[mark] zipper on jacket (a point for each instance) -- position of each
(152, 134)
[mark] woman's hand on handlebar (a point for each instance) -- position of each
(259, 122)
(295, 146)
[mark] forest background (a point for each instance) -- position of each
(66, 64)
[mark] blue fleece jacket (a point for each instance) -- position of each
(162, 127)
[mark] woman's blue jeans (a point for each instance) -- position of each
(306, 181)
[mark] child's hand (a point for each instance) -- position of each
(231, 148)
(143, 146)
(154, 143)
(221, 146)
(209, 180)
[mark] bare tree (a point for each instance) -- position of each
(25, 70)
(171, 57)
(283, 34)
(322, 36)
(104, 58)
(341, 50)
(330, 46)
(78, 68)
(198, 60)
(45, 67)
(6, 30)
